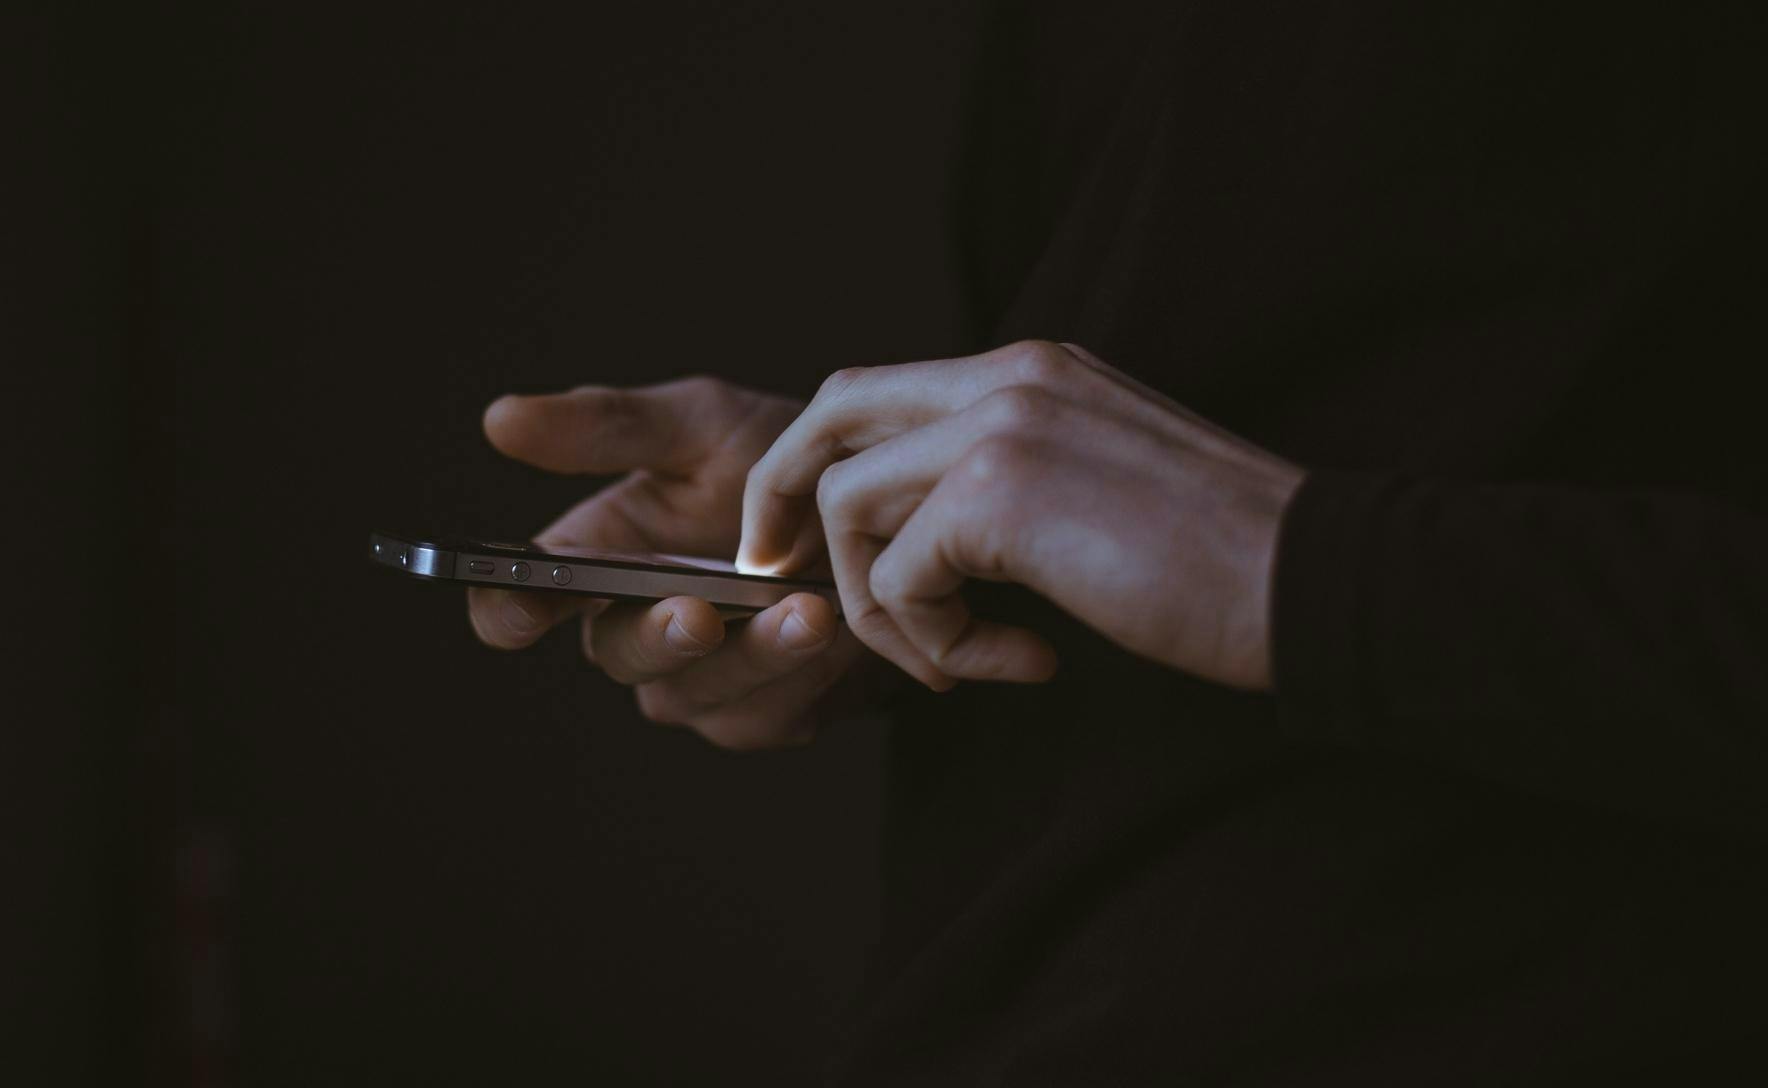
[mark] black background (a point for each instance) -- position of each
(288, 822)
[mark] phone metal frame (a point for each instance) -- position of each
(514, 566)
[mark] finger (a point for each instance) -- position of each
(586, 627)
(950, 538)
(859, 408)
(779, 713)
(509, 620)
(600, 429)
(646, 513)
(867, 498)
(802, 532)
(633, 644)
(854, 410)
(851, 554)
(771, 644)
(611, 518)
(874, 491)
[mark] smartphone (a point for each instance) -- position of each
(591, 572)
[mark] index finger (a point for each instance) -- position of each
(858, 408)
(854, 410)
(598, 429)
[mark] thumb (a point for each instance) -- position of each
(601, 430)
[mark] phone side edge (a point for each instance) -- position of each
(410, 556)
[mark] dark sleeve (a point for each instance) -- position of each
(1604, 648)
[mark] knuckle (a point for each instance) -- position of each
(832, 490)
(1021, 408)
(868, 619)
(704, 383)
(1001, 460)
(888, 588)
(1042, 363)
(842, 382)
(764, 475)
(705, 387)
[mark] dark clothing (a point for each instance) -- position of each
(1495, 271)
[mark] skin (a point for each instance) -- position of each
(1035, 463)
(684, 447)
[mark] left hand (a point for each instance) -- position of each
(1038, 464)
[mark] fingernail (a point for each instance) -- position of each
(746, 565)
(748, 562)
(522, 617)
(683, 642)
(798, 635)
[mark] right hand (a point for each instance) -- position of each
(685, 447)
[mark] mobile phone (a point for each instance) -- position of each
(592, 572)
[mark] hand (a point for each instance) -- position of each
(685, 446)
(1037, 464)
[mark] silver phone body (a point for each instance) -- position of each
(619, 576)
